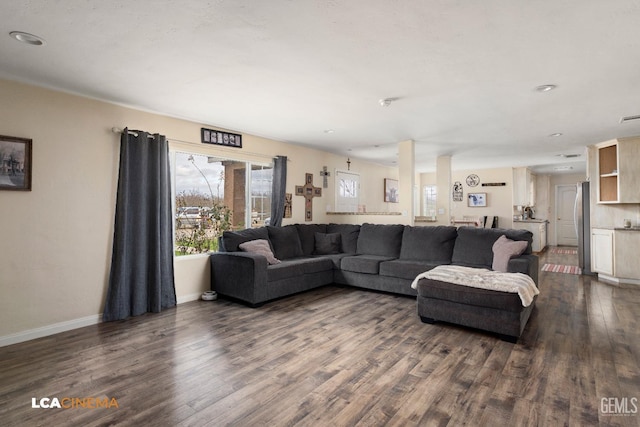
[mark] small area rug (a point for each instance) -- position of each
(558, 268)
(564, 251)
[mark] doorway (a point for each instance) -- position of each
(565, 221)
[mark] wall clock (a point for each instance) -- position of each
(473, 180)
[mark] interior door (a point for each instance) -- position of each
(565, 223)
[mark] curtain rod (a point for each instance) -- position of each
(134, 132)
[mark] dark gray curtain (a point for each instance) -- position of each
(141, 278)
(278, 190)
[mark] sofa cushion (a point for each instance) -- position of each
(460, 294)
(504, 249)
(474, 246)
(297, 268)
(369, 264)
(380, 240)
(327, 243)
(430, 244)
(285, 241)
(260, 247)
(232, 239)
(307, 236)
(405, 269)
(336, 259)
(349, 236)
(284, 270)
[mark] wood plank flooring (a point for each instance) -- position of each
(339, 356)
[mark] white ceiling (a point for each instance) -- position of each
(463, 72)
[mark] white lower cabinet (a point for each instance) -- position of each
(539, 230)
(602, 250)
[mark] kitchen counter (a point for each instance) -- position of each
(538, 227)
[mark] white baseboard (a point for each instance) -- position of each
(68, 325)
(45, 331)
(617, 280)
(188, 298)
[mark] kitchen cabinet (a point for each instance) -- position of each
(625, 257)
(523, 187)
(602, 250)
(613, 255)
(618, 173)
(539, 230)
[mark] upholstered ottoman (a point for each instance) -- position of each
(492, 308)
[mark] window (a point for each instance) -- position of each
(213, 195)
(430, 196)
(347, 191)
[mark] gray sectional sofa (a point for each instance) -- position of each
(379, 257)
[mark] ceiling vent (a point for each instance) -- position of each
(629, 118)
(569, 156)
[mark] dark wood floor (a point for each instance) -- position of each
(339, 356)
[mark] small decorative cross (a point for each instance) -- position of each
(308, 191)
(324, 174)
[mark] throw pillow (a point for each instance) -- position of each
(260, 247)
(232, 239)
(327, 243)
(504, 249)
(285, 241)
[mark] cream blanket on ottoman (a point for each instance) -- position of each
(482, 278)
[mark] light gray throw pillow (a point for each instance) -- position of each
(504, 249)
(260, 247)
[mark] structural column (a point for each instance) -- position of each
(443, 184)
(406, 179)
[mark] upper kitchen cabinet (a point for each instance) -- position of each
(523, 187)
(618, 171)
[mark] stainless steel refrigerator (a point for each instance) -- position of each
(581, 217)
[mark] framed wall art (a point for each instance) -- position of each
(212, 136)
(391, 190)
(477, 200)
(15, 163)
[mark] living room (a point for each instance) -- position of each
(58, 237)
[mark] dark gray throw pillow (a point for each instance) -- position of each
(328, 243)
(285, 241)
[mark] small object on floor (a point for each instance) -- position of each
(558, 268)
(209, 296)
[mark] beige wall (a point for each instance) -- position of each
(57, 238)
(499, 199)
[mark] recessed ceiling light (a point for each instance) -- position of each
(555, 135)
(27, 38)
(563, 168)
(545, 88)
(329, 131)
(385, 102)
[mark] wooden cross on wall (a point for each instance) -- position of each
(308, 191)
